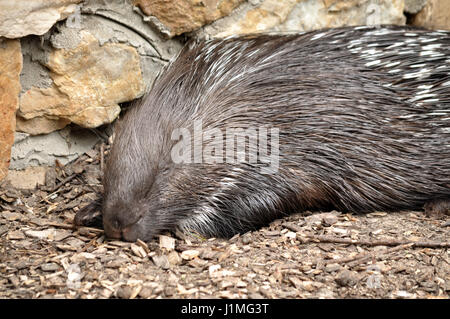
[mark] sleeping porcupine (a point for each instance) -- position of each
(362, 116)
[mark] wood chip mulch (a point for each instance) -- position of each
(309, 255)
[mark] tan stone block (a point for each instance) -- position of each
(435, 15)
(88, 83)
(27, 178)
(10, 67)
(40, 125)
(176, 17)
(21, 18)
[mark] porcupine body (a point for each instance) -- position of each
(362, 116)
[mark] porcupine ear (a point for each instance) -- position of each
(90, 215)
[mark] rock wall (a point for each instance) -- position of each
(82, 59)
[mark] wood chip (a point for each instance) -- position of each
(11, 216)
(41, 234)
(166, 242)
(138, 251)
(377, 214)
(174, 258)
(15, 235)
(184, 291)
(161, 261)
(143, 245)
(50, 267)
(190, 254)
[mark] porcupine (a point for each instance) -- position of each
(362, 116)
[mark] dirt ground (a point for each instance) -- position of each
(320, 255)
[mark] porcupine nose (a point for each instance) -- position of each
(118, 229)
(129, 233)
(112, 229)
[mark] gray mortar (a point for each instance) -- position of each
(414, 6)
(34, 73)
(37, 46)
(66, 38)
(106, 30)
(150, 69)
(125, 14)
(42, 150)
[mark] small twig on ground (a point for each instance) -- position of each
(65, 180)
(305, 238)
(83, 182)
(102, 159)
(59, 225)
(53, 224)
(379, 255)
(359, 258)
(89, 244)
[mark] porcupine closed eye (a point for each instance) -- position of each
(362, 116)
